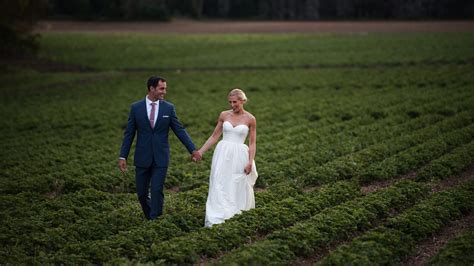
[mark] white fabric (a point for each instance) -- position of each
(230, 189)
(148, 109)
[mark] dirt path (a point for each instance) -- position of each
(214, 26)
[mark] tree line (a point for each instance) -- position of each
(17, 20)
(261, 9)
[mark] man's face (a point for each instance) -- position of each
(159, 92)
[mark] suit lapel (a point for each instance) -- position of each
(144, 113)
(160, 114)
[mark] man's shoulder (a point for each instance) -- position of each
(166, 103)
(137, 103)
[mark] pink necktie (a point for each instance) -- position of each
(152, 115)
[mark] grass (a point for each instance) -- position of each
(151, 52)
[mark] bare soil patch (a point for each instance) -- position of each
(215, 26)
(466, 175)
(377, 185)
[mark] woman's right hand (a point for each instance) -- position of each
(196, 156)
(248, 168)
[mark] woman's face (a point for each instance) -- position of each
(235, 103)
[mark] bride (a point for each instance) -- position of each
(233, 171)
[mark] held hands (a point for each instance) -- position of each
(122, 164)
(196, 156)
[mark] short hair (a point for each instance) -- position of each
(239, 93)
(153, 81)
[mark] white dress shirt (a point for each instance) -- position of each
(148, 109)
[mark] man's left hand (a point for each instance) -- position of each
(196, 156)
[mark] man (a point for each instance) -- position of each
(151, 118)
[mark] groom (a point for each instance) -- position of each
(151, 119)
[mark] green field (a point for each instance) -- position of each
(335, 113)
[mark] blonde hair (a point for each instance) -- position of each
(239, 93)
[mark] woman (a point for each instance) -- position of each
(233, 171)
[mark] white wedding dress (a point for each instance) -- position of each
(230, 189)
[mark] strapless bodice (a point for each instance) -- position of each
(235, 134)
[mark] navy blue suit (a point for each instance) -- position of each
(152, 151)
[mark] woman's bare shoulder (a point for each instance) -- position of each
(224, 114)
(249, 115)
(250, 118)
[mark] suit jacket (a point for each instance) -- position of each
(152, 143)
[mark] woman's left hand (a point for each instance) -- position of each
(248, 168)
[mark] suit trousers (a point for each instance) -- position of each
(144, 176)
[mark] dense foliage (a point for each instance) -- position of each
(17, 20)
(263, 9)
(334, 112)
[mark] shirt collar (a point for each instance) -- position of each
(148, 101)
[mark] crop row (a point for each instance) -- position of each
(252, 50)
(191, 223)
(66, 176)
(424, 151)
(367, 112)
(50, 224)
(391, 242)
(72, 180)
(457, 251)
(340, 142)
(330, 135)
(97, 230)
(328, 143)
(64, 201)
(294, 115)
(448, 164)
(353, 165)
(330, 225)
(127, 246)
(250, 224)
(89, 215)
(87, 223)
(303, 126)
(414, 157)
(178, 223)
(64, 136)
(319, 137)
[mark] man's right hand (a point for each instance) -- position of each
(122, 165)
